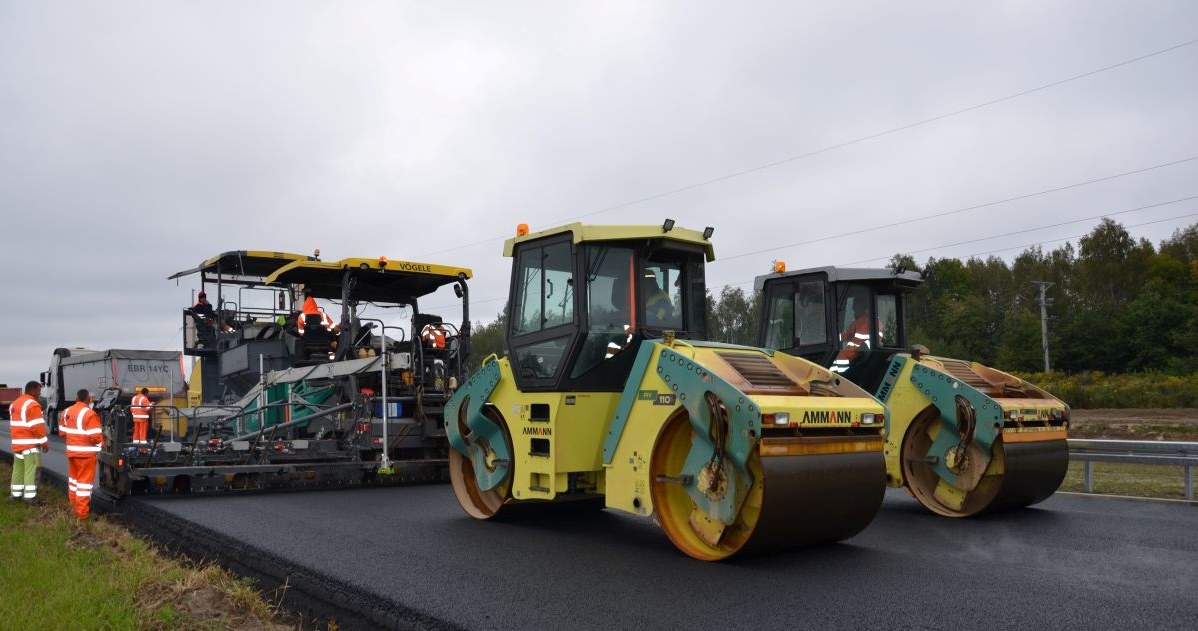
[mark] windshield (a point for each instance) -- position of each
(796, 315)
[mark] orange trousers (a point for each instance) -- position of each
(81, 476)
(139, 429)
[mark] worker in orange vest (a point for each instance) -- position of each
(140, 407)
(311, 308)
(28, 442)
(434, 335)
(855, 337)
(81, 428)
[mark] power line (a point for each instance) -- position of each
(966, 257)
(1076, 236)
(839, 145)
(1036, 229)
(961, 210)
(939, 214)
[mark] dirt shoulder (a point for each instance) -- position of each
(1135, 424)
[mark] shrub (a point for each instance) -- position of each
(1134, 390)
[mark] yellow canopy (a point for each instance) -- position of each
(588, 232)
(375, 280)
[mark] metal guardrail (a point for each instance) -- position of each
(1154, 452)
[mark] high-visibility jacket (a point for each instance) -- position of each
(434, 335)
(28, 426)
(854, 338)
(140, 407)
(310, 307)
(81, 427)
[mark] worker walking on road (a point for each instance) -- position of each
(141, 407)
(28, 442)
(81, 428)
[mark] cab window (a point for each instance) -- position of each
(661, 295)
(545, 286)
(810, 324)
(781, 327)
(544, 291)
(609, 292)
(887, 320)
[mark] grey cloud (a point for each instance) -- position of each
(137, 139)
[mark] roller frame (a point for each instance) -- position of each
(476, 391)
(942, 389)
(689, 381)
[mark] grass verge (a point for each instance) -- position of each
(59, 573)
(1137, 480)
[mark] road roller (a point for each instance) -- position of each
(608, 393)
(963, 438)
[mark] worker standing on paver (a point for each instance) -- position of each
(140, 407)
(81, 428)
(28, 442)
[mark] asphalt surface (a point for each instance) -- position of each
(1072, 562)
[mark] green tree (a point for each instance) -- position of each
(487, 339)
(733, 318)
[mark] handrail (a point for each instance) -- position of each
(1151, 452)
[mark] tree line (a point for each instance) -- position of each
(1117, 304)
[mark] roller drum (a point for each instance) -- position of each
(1032, 473)
(815, 499)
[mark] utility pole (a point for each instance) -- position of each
(1044, 302)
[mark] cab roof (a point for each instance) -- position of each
(376, 280)
(581, 232)
(907, 279)
(243, 266)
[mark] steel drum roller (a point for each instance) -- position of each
(795, 500)
(1033, 472)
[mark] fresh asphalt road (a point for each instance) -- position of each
(1071, 562)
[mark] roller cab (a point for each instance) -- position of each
(962, 437)
(609, 392)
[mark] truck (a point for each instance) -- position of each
(7, 396)
(127, 370)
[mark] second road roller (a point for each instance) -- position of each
(962, 437)
(609, 390)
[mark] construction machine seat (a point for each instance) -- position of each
(316, 342)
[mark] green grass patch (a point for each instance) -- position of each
(1137, 480)
(58, 573)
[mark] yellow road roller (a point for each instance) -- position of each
(962, 437)
(608, 390)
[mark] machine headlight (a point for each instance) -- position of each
(867, 419)
(782, 418)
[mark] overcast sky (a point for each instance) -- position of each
(137, 139)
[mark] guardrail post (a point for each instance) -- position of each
(1189, 482)
(1089, 476)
